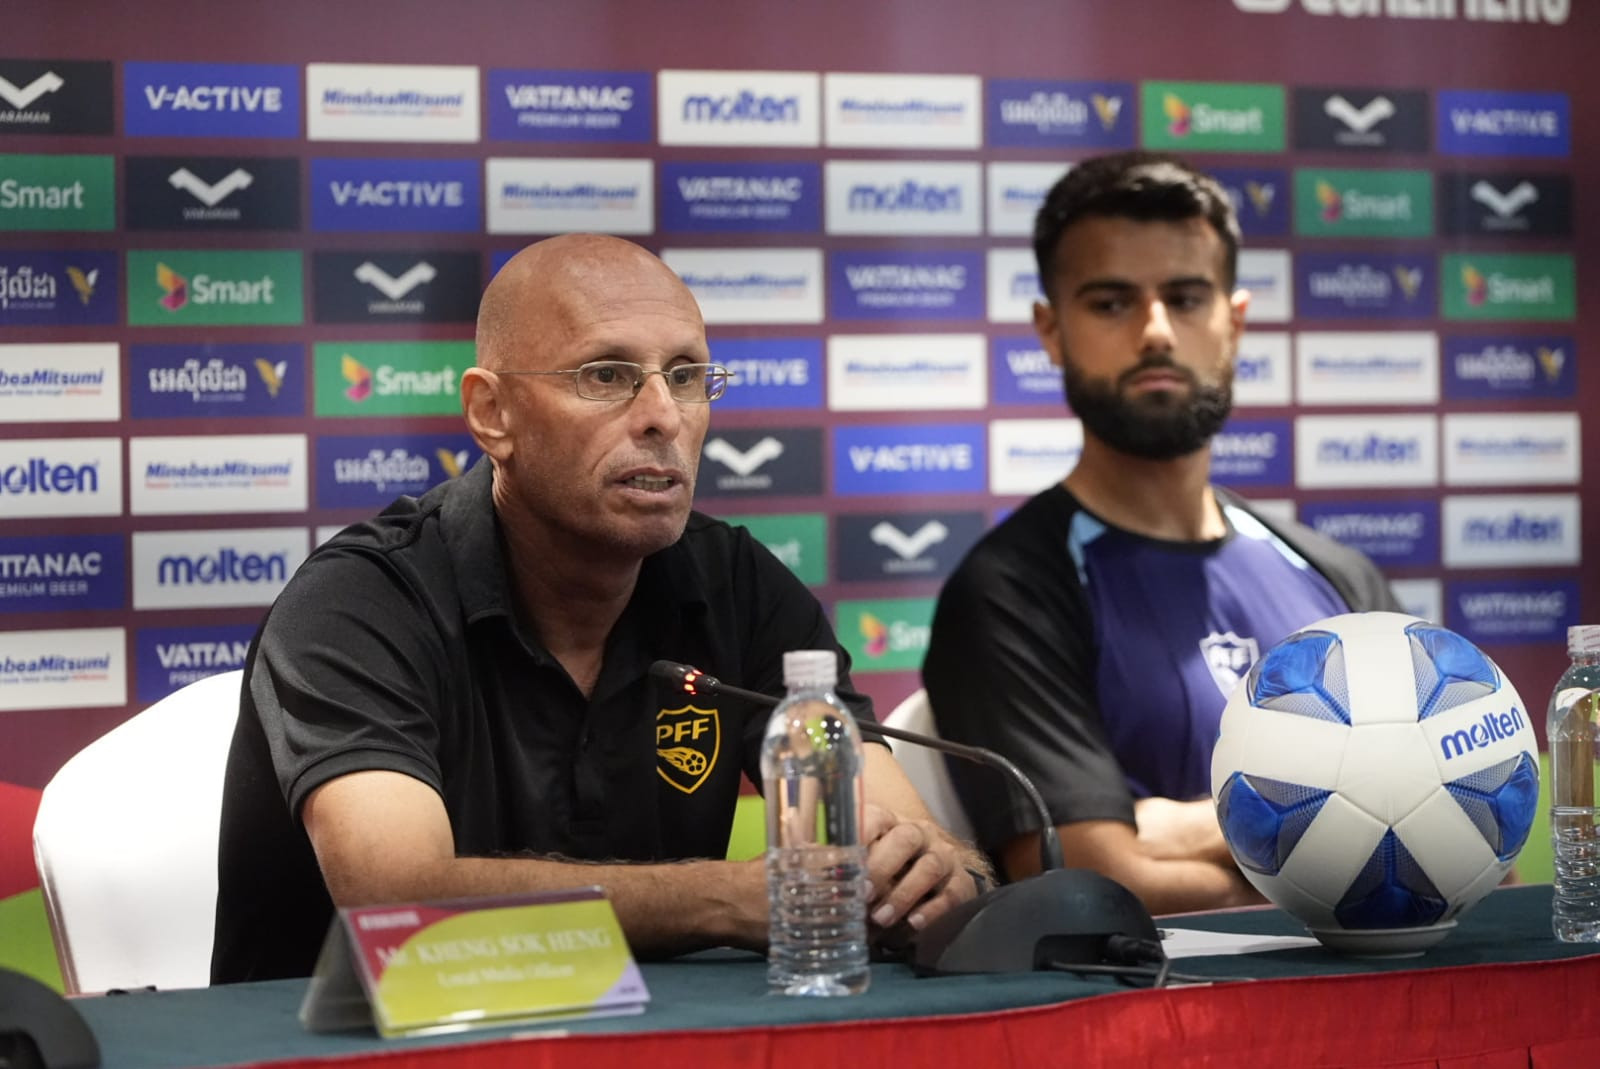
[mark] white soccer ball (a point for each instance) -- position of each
(1375, 775)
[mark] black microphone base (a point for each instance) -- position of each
(1065, 915)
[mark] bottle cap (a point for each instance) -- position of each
(1583, 638)
(813, 668)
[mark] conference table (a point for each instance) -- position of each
(1498, 993)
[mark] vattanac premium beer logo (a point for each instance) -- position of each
(1212, 116)
(53, 96)
(186, 287)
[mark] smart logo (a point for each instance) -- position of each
(53, 96)
(1365, 120)
(62, 572)
(1483, 123)
(214, 569)
(568, 106)
(437, 196)
(770, 373)
(1476, 204)
(60, 383)
(752, 285)
(211, 100)
(1023, 373)
(1372, 285)
(1027, 455)
(1260, 198)
(543, 196)
(1394, 533)
(885, 636)
(892, 284)
(1513, 611)
(390, 378)
(58, 289)
(212, 193)
(56, 193)
(1505, 367)
(1252, 453)
(1512, 530)
(75, 669)
(369, 471)
(919, 459)
(50, 477)
(784, 198)
(396, 287)
(799, 540)
(1397, 204)
(1367, 450)
(738, 108)
(1212, 116)
(188, 287)
(902, 110)
(1528, 448)
(166, 659)
(1050, 114)
(1509, 286)
(216, 381)
(765, 462)
(903, 197)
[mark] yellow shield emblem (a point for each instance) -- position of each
(687, 743)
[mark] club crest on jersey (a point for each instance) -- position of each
(687, 743)
(1228, 657)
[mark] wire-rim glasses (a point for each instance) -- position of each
(621, 380)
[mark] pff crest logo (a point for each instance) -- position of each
(688, 742)
(1228, 658)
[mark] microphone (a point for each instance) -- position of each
(1060, 915)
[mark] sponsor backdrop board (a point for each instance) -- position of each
(239, 268)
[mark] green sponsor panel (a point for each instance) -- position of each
(1363, 204)
(1508, 286)
(885, 636)
(57, 193)
(25, 943)
(1212, 116)
(420, 378)
(196, 288)
(799, 539)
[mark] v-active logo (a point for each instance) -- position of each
(1483, 123)
(885, 636)
(770, 373)
(1023, 373)
(763, 463)
(784, 198)
(1509, 367)
(1397, 204)
(390, 378)
(216, 381)
(1260, 198)
(1394, 533)
(211, 100)
(1370, 285)
(371, 471)
(738, 108)
(62, 572)
(904, 545)
(439, 196)
(1485, 732)
(60, 383)
(212, 193)
(1494, 205)
(566, 106)
(396, 287)
(43, 477)
(906, 285)
(1050, 114)
(1509, 286)
(917, 459)
(799, 540)
(187, 287)
(58, 289)
(903, 197)
(194, 569)
(53, 96)
(1252, 453)
(56, 193)
(1513, 611)
(170, 658)
(1366, 120)
(1212, 116)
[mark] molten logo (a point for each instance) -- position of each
(1331, 200)
(875, 635)
(1178, 115)
(358, 376)
(175, 288)
(1477, 286)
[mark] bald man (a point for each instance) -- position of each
(452, 699)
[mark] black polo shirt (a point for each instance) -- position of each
(396, 646)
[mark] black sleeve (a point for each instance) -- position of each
(1011, 666)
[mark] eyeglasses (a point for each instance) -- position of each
(621, 380)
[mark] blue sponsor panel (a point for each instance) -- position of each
(61, 572)
(166, 659)
(1260, 198)
(1253, 452)
(1484, 123)
(1023, 373)
(437, 196)
(216, 381)
(211, 100)
(1027, 113)
(58, 289)
(1336, 285)
(554, 105)
(926, 458)
(770, 372)
(1512, 611)
(369, 471)
(893, 284)
(1394, 533)
(784, 198)
(1510, 368)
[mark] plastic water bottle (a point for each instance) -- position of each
(816, 862)
(1573, 728)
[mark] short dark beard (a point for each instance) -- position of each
(1157, 426)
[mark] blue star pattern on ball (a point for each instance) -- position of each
(1501, 801)
(1450, 671)
(1391, 891)
(1263, 819)
(1304, 675)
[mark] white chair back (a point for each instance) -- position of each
(126, 844)
(924, 767)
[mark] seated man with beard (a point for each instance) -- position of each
(1093, 637)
